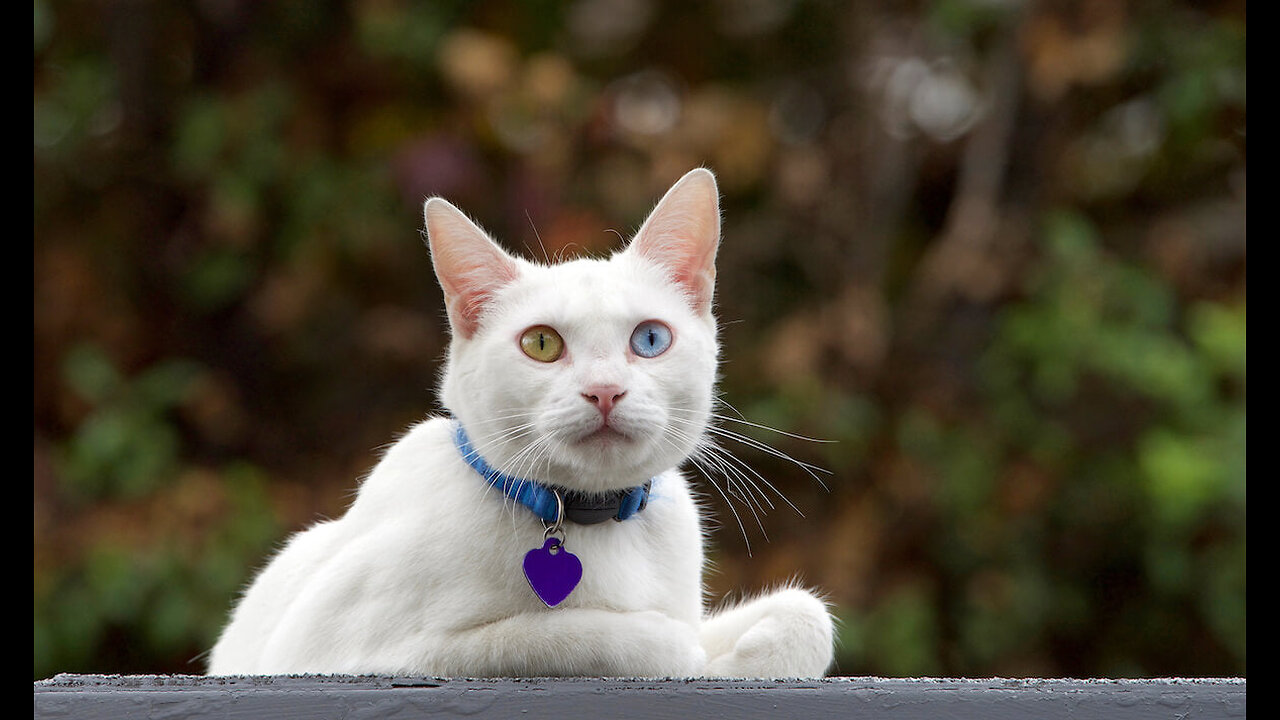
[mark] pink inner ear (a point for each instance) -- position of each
(682, 234)
(471, 267)
(465, 309)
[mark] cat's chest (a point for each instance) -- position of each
(457, 537)
(624, 565)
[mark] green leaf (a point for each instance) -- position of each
(90, 373)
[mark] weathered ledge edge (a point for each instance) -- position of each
(360, 696)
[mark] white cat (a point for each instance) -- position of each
(576, 390)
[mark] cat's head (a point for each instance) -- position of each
(590, 374)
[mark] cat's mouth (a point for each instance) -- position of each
(605, 434)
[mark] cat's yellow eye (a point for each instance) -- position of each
(542, 343)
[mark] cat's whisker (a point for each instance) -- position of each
(734, 467)
(753, 472)
(740, 484)
(809, 469)
(532, 456)
(760, 426)
(735, 487)
(537, 237)
(736, 472)
(715, 416)
(509, 435)
(520, 463)
(736, 517)
(499, 441)
(707, 458)
(503, 419)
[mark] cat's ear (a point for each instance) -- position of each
(682, 233)
(470, 266)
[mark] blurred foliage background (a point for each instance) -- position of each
(994, 249)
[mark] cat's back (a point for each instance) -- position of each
(408, 494)
(420, 476)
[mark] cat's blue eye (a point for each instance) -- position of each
(650, 339)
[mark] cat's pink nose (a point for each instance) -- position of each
(604, 397)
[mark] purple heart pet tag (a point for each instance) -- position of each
(552, 571)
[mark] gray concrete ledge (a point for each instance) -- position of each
(353, 697)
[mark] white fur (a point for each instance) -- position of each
(423, 575)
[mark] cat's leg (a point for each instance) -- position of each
(788, 633)
(573, 642)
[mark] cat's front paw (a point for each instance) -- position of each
(786, 634)
(672, 648)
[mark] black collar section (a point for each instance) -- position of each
(591, 508)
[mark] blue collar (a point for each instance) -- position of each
(546, 501)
